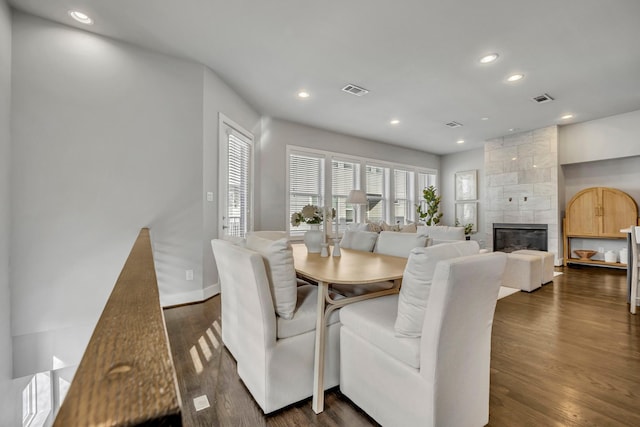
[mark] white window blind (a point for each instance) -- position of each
(345, 176)
(322, 178)
(425, 180)
(238, 195)
(377, 192)
(306, 184)
(403, 206)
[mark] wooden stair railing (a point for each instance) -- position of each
(126, 376)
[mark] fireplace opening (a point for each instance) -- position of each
(513, 237)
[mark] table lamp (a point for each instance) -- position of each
(357, 197)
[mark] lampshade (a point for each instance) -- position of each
(357, 197)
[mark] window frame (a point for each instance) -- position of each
(330, 156)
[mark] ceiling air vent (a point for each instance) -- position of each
(454, 124)
(541, 99)
(355, 90)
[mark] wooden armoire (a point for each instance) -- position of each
(597, 213)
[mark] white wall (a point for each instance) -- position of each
(218, 98)
(8, 412)
(450, 164)
(623, 174)
(271, 186)
(606, 138)
(107, 139)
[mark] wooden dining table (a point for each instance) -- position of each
(351, 268)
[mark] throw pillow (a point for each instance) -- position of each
(409, 228)
(278, 259)
(416, 283)
(374, 226)
(386, 227)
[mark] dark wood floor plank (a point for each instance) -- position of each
(567, 354)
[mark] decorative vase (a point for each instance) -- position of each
(624, 253)
(313, 239)
(610, 256)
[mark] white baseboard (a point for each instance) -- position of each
(211, 291)
(189, 297)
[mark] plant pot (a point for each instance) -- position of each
(313, 239)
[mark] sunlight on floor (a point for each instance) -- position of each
(195, 357)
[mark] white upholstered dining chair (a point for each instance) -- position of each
(268, 234)
(399, 244)
(274, 354)
(406, 366)
(359, 240)
(634, 266)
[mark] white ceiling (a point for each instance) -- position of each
(419, 59)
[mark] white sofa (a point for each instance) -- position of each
(274, 355)
(442, 377)
(442, 233)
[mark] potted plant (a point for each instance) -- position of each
(314, 216)
(468, 229)
(430, 215)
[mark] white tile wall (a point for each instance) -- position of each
(518, 166)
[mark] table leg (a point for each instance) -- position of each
(323, 311)
(318, 364)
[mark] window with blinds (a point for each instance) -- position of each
(345, 176)
(319, 177)
(404, 191)
(306, 184)
(425, 180)
(377, 192)
(238, 189)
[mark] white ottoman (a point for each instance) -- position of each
(547, 263)
(523, 272)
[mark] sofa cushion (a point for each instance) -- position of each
(304, 316)
(373, 321)
(442, 232)
(278, 259)
(359, 240)
(409, 228)
(399, 244)
(416, 283)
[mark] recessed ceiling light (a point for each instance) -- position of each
(460, 141)
(83, 18)
(489, 58)
(303, 94)
(515, 77)
(567, 116)
(514, 158)
(394, 121)
(513, 129)
(484, 118)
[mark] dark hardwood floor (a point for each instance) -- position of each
(567, 354)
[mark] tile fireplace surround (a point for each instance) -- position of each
(521, 173)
